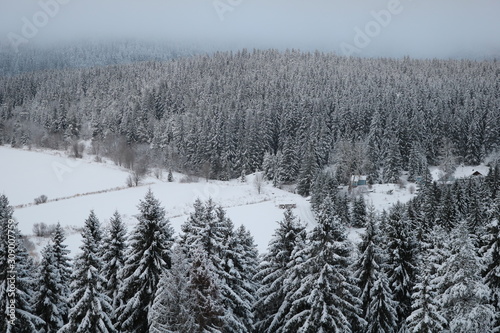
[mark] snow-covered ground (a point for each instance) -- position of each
(25, 175)
(462, 171)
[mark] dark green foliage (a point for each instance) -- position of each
(273, 271)
(327, 296)
(90, 308)
(16, 277)
(402, 249)
(113, 257)
(358, 219)
(146, 259)
(49, 293)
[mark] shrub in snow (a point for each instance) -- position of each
(43, 230)
(41, 199)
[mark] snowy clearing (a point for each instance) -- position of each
(28, 174)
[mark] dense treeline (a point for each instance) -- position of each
(431, 265)
(287, 113)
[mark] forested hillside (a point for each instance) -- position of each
(289, 113)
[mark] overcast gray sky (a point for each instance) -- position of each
(419, 28)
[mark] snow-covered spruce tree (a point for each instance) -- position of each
(202, 228)
(417, 165)
(15, 262)
(401, 249)
(91, 310)
(62, 264)
(149, 254)
(430, 205)
(425, 316)
(172, 309)
(48, 297)
(245, 267)
(476, 216)
(342, 205)
(392, 162)
(113, 257)
(381, 316)
(492, 181)
(326, 300)
(236, 285)
(448, 215)
(367, 267)
(288, 167)
(206, 301)
(307, 172)
(188, 296)
(210, 229)
(324, 185)
(465, 297)
(492, 256)
(273, 272)
(358, 214)
(95, 229)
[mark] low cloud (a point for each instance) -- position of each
(425, 28)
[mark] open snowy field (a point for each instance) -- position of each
(27, 174)
(75, 183)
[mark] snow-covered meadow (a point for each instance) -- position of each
(74, 187)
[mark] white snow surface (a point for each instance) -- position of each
(26, 174)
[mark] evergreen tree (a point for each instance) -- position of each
(62, 265)
(492, 181)
(95, 229)
(359, 218)
(113, 257)
(188, 298)
(476, 216)
(288, 167)
(392, 162)
(326, 300)
(425, 316)
(48, 297)
(492, 254)
(236, 286)
(448, 215)
(381, 314)
(244, 269)
(324, 185)
(91, 310)
(16, 277)
(147, 257)
(307, 171)
(417, 166)
(401, 247)
(172, 309)
(474, 150)
(465, 297)
(232, 257)
(203, 229)
(367, 267)
(341, 203)
(205, 295)
(273, 272)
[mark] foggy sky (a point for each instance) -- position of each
(418, 28)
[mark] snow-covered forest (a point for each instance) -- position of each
(309, 122)
(289, 114)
